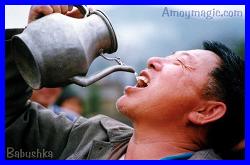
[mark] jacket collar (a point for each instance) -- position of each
(118, 135)
(116, 131)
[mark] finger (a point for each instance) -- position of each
(70, 7)
(45, 9)
(75, 14)
(64, 9)
(38, 11)
(56, 8)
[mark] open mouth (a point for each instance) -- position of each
(142, 80)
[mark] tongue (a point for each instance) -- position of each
(141, 84)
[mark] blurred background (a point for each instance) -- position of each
(142, 32)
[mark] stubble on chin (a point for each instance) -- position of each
(121, 105)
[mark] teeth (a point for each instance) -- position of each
(142, 78)
(141, 81)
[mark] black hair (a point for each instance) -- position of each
(68, 93)
(226, 84)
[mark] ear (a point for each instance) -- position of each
(210, 112)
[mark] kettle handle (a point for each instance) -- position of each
(83, 9)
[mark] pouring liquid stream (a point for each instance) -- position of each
(136, 75)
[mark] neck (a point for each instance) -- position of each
(155, 142)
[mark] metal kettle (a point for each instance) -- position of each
(57, 50)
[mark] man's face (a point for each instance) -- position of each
(174, 87)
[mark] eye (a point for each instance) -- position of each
(184, 66)
(179, 62)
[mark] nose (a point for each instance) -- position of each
(155, 63)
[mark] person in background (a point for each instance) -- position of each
(71, 101)
(46, 96)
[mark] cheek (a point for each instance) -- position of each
(173, 89)
(168, 83)
(176, 80)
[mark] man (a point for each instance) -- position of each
(183, 106)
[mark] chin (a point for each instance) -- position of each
(121, 103)
(128, 106)
(125, 105)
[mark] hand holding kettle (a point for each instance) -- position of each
(37, 11)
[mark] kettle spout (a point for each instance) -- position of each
(86, 81)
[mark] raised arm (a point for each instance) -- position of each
(29, 126)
